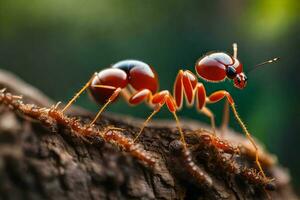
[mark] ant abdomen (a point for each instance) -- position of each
(105, 82)
(140, 74)
(137, 74)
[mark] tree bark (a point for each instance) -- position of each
(45, 154)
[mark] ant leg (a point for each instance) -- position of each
(126, 94)
(225, 120)
(210, 114)
(164, 97)
(156, 110)
(217, 96)
(105, 86)
(185, 85)
(200, 105)
(139, 97)
(111, 98)
(169, 100)
(180, 130)
(235, 50)
(178, 90)
(78, 94)
(249, 138)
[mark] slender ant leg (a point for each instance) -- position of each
(209, 114)
(164, 97)
(158, 99)
(126, 94)
(156, 110)
(111, 99)
(138, 97)
(180, 131)
(88, 84)
(225, 118)
(78, 93)
(217, 96)
(249, 137)
(186, 84)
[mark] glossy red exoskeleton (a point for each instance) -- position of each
(137, 81)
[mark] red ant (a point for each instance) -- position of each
(138, 82)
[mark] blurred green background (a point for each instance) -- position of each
(57, 44)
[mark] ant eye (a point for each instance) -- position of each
(231, 72)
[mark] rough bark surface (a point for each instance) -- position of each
(42, 157)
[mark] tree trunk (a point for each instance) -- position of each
(45, 154)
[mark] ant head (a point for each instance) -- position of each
(235, 72)
(213, 66)
(240, 80)
(216, 67)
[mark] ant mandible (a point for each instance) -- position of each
(137, 81)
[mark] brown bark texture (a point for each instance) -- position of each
(45, 154)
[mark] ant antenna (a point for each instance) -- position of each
(264, 63)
